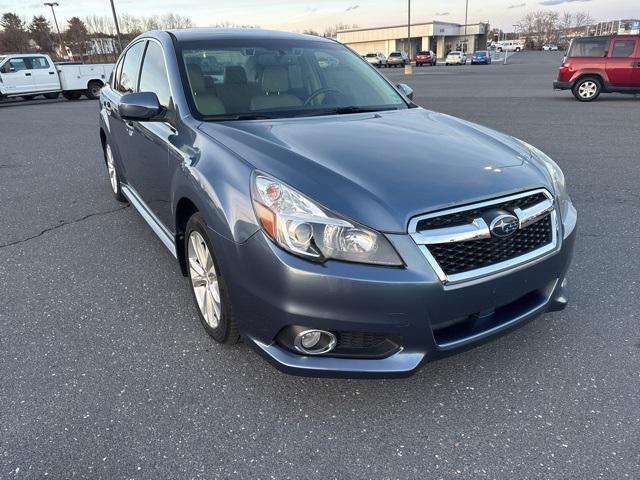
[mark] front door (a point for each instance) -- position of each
(43, 74)
(16, 76)
(620, 62)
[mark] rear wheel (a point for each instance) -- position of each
(93, 90)
(587, 89)
(207, 284)
(52, 95)
(112, 170)
(74, 95)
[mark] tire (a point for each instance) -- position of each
(28, 97)
(517, 49)
(206, 283)
(112, 171)
(73, 95)
(93, 90)
(52, 95)
(587, 89)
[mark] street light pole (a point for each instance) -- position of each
(409, 29)
(115, 20)
(466, 14)
(55, 20)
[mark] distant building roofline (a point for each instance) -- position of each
(404, 25)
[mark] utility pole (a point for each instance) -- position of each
(55, 20)
(115, 20)
(466, 14)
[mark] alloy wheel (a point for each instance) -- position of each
(587, 89)
(204, 279)
(111, 168)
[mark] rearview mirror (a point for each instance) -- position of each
(406, 90)
(140, 106)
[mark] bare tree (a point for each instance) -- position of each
(582, 19)
(566, 21)
(332, 31)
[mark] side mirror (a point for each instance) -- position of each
(406, 90)
(140, 106)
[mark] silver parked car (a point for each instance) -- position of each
(377, 59)
(397, 59)
(456, 58)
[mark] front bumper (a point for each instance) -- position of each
(271, 290)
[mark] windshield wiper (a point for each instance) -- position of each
(238, 116)
(346, 111)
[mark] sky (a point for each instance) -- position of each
(298, 15)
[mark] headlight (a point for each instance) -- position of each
(556, 176)
(307, 229)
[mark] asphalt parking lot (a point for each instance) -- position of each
(106, 372)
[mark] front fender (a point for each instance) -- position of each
(218, 184)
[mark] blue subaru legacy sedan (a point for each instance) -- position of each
(319, 214)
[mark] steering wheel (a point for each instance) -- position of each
(319, 92)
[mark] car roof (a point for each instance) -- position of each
(195, 34)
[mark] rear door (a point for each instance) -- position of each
(16, 76)
(620, 62)
(43, 74)
(635, 69)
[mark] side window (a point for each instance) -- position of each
(623, 48)
(37, 62)
(115, 75)
(130, 68)
(153, 77)
(14, 65)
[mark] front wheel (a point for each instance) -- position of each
(587, 89)
(207, 283)
(52, 95)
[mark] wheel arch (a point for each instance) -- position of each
(185, 208)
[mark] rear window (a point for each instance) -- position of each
(455, 54)
(424, 53)
(589, 47)
(370, 55)
(395, 54)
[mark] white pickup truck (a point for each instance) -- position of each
(28, 75)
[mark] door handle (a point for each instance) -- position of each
(52, 73)
(635, 64)
(27, 74)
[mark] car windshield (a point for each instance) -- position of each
(395, 54)
(255, 79)
(481, 52)
(370, 55)
(424, 53)
(455, 54)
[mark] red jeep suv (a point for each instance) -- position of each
(601, 64)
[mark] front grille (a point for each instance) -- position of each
(466, 216)
(461, 257)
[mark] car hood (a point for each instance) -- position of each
(381, 169)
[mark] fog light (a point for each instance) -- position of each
(315, 342)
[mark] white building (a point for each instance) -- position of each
(441, 37)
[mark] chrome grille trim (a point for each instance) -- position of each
(478, 229)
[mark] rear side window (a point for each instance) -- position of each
(153, 77)
(623, 48)
(589, 47)
(38, 62)
(131, 68)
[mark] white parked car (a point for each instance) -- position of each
(550, 48)
(510, 46)
(377, 59)
(456, 58)
(28, 75)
